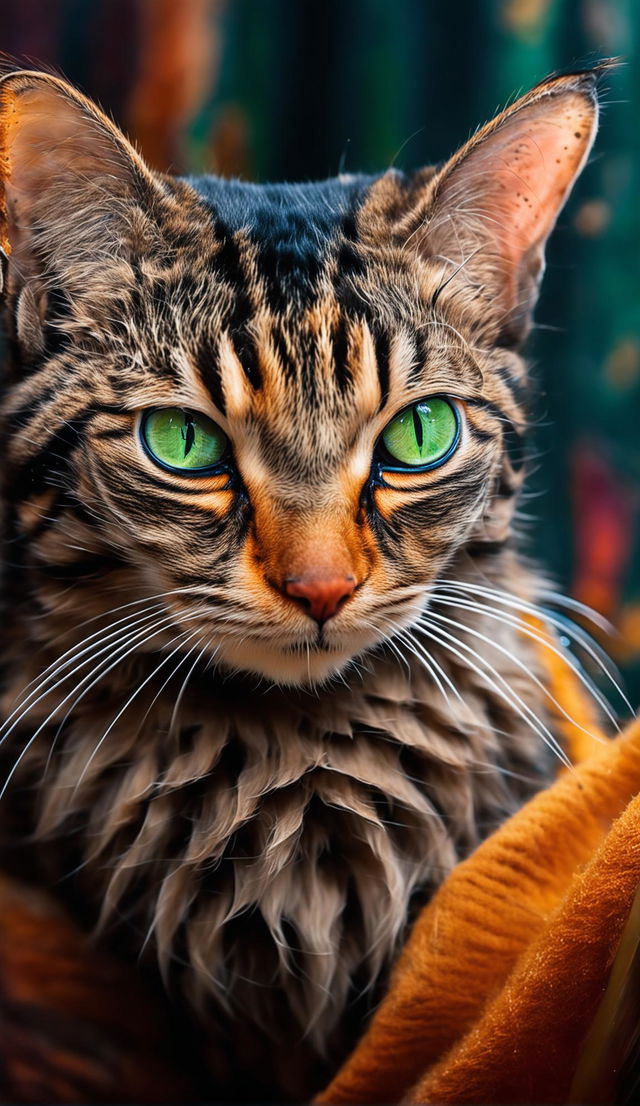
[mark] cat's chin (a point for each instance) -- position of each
(288, 667)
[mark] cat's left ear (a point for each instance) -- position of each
(73, 193)
(493, 205)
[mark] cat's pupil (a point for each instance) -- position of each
(188, 434)
(417, 426)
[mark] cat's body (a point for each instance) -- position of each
(250, 792)
(277, 840)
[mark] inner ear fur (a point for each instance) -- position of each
(492, 207)
(69, 185)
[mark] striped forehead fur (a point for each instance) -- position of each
(251, 801)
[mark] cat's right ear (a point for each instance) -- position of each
(73, 195)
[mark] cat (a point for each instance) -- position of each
(271, 664)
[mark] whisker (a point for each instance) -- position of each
(523, 605)
(128, 650)
(519, 664)
(431, 664)
(528, 631)
(510, 697)
(176, 706)
(56, 667)
(184, 638)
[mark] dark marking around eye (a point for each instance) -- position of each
(417, 428)
(481, 435)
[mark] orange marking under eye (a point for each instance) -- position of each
(217, 502)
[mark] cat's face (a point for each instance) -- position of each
(285, 410)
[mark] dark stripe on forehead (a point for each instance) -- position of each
(246, 350)
(282, 350)
(291, 258)
(207, 367)
(340, 349)
(349, 259)
(382, 346)
(232, 268)
(295, 230)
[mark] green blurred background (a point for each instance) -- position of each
(300, 89)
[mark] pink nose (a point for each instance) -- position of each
(320, 597)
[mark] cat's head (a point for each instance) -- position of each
(285, 409)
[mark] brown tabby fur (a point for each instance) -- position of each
(265, 828)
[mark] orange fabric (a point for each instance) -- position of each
(75, 1026)
(499, 982)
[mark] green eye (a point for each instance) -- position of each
(422, 435)
(181, 440)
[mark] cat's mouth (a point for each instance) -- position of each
(304, 654)
(308, 660)
(296, 664)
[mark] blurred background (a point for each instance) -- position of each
(300, 89)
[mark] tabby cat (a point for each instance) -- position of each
(271, 665)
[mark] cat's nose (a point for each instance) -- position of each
(321, 596)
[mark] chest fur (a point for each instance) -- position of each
(267, 848)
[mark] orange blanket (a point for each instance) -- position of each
(519, 983)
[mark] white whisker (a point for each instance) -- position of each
(185, 637)
(501, 688)
(519, 664)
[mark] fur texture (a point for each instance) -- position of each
(251, 799)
